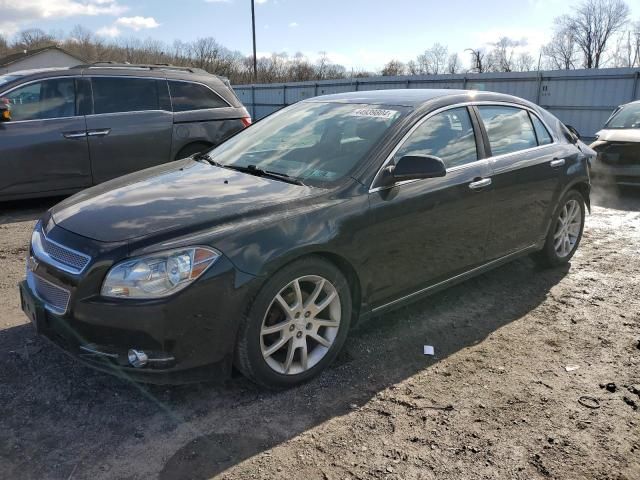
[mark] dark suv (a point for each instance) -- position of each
(65, 129)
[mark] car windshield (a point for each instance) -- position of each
(627, 116)
(7, 78)
(310, 141)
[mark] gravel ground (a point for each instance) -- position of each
(496, 401)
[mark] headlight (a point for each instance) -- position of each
(159, 274)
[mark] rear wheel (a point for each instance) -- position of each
(296, 325)
(565, 233)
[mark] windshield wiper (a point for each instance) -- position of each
(253, 170)
(207, 158)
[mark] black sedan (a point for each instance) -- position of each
(264, 252)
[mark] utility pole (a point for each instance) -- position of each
(253, 27)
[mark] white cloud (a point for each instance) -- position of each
(137, 23)
(111, 31)
(293, 24)
(530, 40)
(16, 13)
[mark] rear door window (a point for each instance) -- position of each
(121, 94)
(55, 98)
(509, 129)
(447, 135)
(187, 96)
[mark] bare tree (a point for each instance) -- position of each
(592, 26)
(4, 46)
(434, 60)
(626, 52)
(503, 54)
(480, 63)
(524, 62)
(454, 65)
(33, 38)
(413, 68)
(394, 68)
(561, 53)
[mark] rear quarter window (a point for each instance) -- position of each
(543, 135)
(187, 96)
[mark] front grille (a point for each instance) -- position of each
(55, 297)
(56, 255)
(65, 255)
(620, 153)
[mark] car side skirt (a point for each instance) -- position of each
(419, 294)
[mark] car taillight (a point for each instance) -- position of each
(246, 121)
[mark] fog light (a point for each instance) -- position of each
(137, 358)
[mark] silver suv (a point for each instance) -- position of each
(62, 130)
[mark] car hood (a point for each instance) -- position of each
(619, 135)
(177, 195)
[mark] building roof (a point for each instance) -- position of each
(16, 57)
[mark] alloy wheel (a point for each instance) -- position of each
(301, 325)
(568, 228)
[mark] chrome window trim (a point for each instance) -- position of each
(42, 255)
(14, 122)
(29, 82)
(373, 189)
(443, 282)
(109, 114)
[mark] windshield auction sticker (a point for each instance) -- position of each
(374, 112)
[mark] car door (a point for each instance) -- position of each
(44, 145)
(425, 231)
(131, 125)
(527, 170)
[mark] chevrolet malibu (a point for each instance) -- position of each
(262, 253)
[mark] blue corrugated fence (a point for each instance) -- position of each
(581, 98)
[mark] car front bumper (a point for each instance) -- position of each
(187, 337)
(626, 175)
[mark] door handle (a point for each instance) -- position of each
(556, 162)
(71, 135)
(480, 184)
(99, 133)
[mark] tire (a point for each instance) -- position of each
(551, 255)
(286, 321)
(192, 148)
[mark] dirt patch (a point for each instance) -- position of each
(496, 400)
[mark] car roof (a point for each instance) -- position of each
(220, 84)
(106, 68)
(414, 97)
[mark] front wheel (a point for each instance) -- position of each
(565, 233)
(296, 324)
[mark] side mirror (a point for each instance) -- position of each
(418, 166)
(5, 111)
(573, 132)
